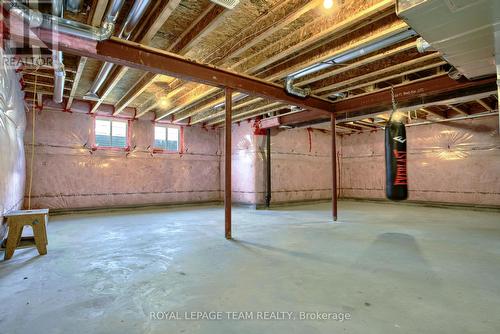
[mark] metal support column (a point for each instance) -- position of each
(268, 168)
(227, 185)
(334, 168)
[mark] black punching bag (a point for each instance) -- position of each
(395, 161)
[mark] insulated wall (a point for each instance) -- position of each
(453, 162)
(300, 168)
(12, 126)
(68, 174)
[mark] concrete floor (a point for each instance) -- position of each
(393, 268)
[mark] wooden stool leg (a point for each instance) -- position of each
(40, 236)
(15, 232)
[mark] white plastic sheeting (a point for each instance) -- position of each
(12, 127)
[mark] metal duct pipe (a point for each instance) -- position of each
(423, 45)
(57, 59)
(294, 90)
(39, 20)
(74, 6)
(342, 58)
(134, 16)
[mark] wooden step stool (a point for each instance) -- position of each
(16, 221)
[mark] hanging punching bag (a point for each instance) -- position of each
(395, 161)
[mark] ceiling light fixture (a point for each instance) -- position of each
(328, 4)
(163, 102)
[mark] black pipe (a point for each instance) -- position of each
(268, 169)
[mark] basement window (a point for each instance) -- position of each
(111, 133)
(167, 138)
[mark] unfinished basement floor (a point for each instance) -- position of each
(395, 268)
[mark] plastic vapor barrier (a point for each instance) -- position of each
(12, 127)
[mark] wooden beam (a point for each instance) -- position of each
(280, 75)
(198, 29)
(97, 12)
(367, 15)
(433, 113)
(157, 61)
(118, 74)
(95, 19)
(345, 85)
(417, 94)
(460, 111)
(325, 56)
(76, 81)
(484, 105)
(155, 21)
(263, 108)
(277, 26)
(42, 84)
(359, 19)
(281, 14)
(358, 64)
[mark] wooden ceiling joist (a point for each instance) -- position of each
(349, 84)
(202, 26)
(277, 26)
(184, 114)
(265, 108)
(484, 105)
(368, 15)
(167, 10)
(335, 31)
(458, 110)
(251, 36)
(434, 91)
(358, 64)
(433, 113)
(157, 61)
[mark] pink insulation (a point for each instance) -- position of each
(301, 165)
(12, 127)
(455, 162)
(68, 174)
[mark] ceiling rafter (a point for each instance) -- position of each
(458, 110)
(278, 13)
(282, 49)
(422, 93)
(370, 39)
(204, 116)
(343, 85)
(168, 8)
(198, 29)
(257, 111)
(433, 113)
(484, 105)
(95, 19)
(276, 26)
(364, 16)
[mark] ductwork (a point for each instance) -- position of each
(74, 6)
(342, 58)
(134, 16)
(423, 45)
(55, 21)
(37, 19)
(294, 90)
(57, 59)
